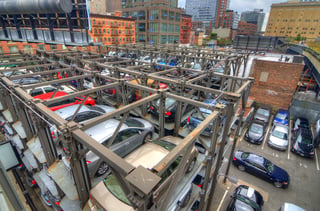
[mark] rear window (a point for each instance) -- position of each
(245, 155)
(200, 116)
(263, 112)
(169, 102)
(114, 187)
(256, 128)
(133, 123)
(63, 102)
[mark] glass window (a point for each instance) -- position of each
(141, 15)
(154, 27)
(171, 28)
(13, 49)
(128, 133)
(49, 89)
(36, 92)
(178, 17)
(177, 28)
(171, 16)
(40, 47)
(163, 27)
(163, 39)
(142, 27)
(154, 15)
(164, 14)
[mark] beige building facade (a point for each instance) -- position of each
(292, 19)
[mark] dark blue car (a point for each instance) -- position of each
(302, 142)
(261, 167)
(196, 117)
(281, 117)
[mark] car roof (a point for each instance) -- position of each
(48, 95)
(69, 110)
(283, 111)
(148, 155)
(104, 129)
(256, 158)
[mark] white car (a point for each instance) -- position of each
(279, 137)
(49, 88)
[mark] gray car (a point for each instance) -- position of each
(278, 138)
(263, 114)
(132, 134)
(85, 113)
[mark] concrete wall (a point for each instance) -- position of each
(275, 82)
(222, 32)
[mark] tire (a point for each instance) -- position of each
(191, 165)
(45, 199)
(147, 138)
(277, 184)
(103, 168)
(241, 168)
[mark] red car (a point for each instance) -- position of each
(64, 103)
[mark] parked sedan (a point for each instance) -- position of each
(64, 103)
(281, 117)
(302, 142)
(85, 113)
(263, 114)
(132, 134)
(279, 137)
(300, 122)
(170, 109)
(261, 167)
(245, 198)
(255, 132)
(108, 194)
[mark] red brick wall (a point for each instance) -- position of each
(281, 83)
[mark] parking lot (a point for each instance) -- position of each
(304, 178)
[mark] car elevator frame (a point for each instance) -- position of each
(36, 118)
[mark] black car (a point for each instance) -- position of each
(302, 142)
(170, 109)
(255, 132)
(245, 198)
(261, 167)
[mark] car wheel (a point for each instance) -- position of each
(277, 184)
(103, 168)
(185, 201)
(45, 199)
(147, 138)
(241, 168)
(192, 165)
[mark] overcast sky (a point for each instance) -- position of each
(248, 5)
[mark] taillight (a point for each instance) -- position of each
(113, 92)
(168, 113)
(151, 107)
(33, 182)
(88, 161)
(234, 158)
(189, 118)
(52, 133)
(91, 198)
(57, 203)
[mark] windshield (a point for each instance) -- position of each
(169, 102)
(165, 144)
(305, 140)
(200, 116)
(279, 134)
(114, 187)
(269, 166)
(242, 204)
(281, 116)
(255, 128)
(263, 112)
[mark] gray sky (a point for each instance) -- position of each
(248, 5)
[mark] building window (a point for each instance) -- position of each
(171, 28)
(154, 39)
(171, 16)
(154, 27)
(178, 16)
(177, 28)
(141, 15)
(109, 39)
(264, 76)
(164, 14)
(40, 47)
(163, 39)
(141, 38)
(142, 27)
(154, 15)
(163, 27)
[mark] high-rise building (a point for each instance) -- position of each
(185, 29)
(247, 28)
(230, 19)
(294, 19)
(202, 10)
(289, 1)
(254, 17)
(157, 21)
(222, 6)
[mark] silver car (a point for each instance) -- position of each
(132, 134)
(85, 113)
(263, 114)
(278, 138)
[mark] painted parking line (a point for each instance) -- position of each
(290, 137)
(317, 161)
(267, 133)
(223, 197)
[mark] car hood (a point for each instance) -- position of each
(254, 135)
(261, 117)
(280, 174)
(307, 148)
(278, 141)
(280, 121)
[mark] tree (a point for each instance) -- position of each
(299, 38)
(213, 36)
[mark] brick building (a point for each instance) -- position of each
(185, 29)
(157, 21)
(275, 82)
(112, 29)
(230, 19)
(222, 6)
(247, 28)
(292, 19)
(98, 7)
(197, 25)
